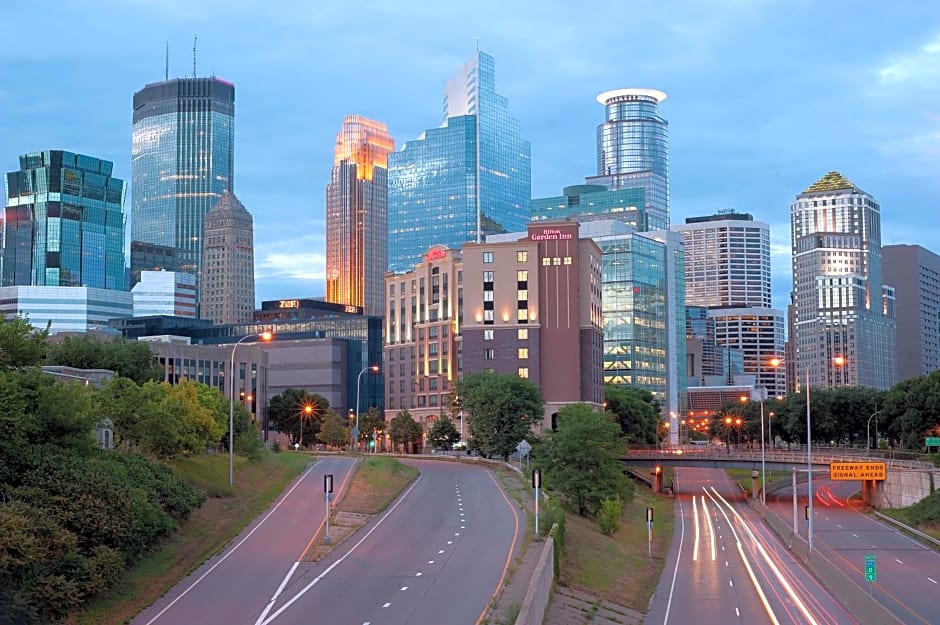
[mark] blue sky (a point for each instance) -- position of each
(764, 96)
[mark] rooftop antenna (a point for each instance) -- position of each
(194, 55)
(478, 44)
(167, 69)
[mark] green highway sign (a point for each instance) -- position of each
(871, 573)
(933, 441)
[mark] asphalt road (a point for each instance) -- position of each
(437, 555)
(725, 567)
(908, 574)
(234, 586)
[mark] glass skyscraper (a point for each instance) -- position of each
(464, 180)
(357, 216)
(633, 149)
(64, 223)
(182, 161)
(591, 202)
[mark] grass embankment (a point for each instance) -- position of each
(377, 482)
(617, 568)
(924, 515)
(207, 531)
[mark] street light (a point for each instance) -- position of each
(307, 411)
(264, 336)
(373, 369)
(868, 431)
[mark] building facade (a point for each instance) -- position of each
(182, 159)
(165, 293)
(843, 311)
(66, 308)
(586, 202)
(727, 270)
(357, 215)
(228, 263)
(532, 307)
(633, 149)
(914, 272)
(464, 180)
(151, 257)
(64, 223)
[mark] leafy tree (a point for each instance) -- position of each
(130, 359)
(288, 413)
(443, 434)
(371, 423)
(21, 345)
(501, 410)
(635, 410)
(333, 430)
(404, 430)
(119, 400)
(581, 460)
(911, 409)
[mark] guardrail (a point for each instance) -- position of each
(821, 457)
(908, 528)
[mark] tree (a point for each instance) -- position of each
(581, 460)
(288, 413)
(403, 429)
(501, 410)
(333, 430)
(635, 410)
(130, 359)
(21, 345)
(443, 433)
(370, 425)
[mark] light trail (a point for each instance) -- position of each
(695, 516)
(711, 530)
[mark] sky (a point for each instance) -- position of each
(764, 96)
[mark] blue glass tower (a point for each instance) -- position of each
(464, 180)
(633, 149)
(182, 160)
(64, 223)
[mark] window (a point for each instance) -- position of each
(488, 335)
(523, 372)
(522, 275)
(488, 316)
(556, 261)
(523, 353)
(567, 260)
(522, 315)
(489, 354)
(487, 276)
(487, 257)
(523, 295)
(546, 261)
(522, 334)
(487, 296)
(522, 256)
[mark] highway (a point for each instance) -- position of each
(437, 555)
(908, 574)
(724, 566)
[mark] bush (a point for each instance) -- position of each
(248, 445)
(276, 446)
(608, 517)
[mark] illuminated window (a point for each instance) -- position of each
(523, 295)
(523, 372)
(546, 261)
(522, 256)
(523, 353)
(522, 315)
(522, 275)
(487, 257)
(567, 260)
(522, 334)
(556, 261)
(488, 335)
(487, 276)
(488, 316)
(487, 296)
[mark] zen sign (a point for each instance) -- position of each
(849, 471)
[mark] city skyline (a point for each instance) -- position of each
(763, 100)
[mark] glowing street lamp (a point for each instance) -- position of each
(373, 369)
(264, 336)
(306, 412)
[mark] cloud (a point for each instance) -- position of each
(303, 266)
(921, 67)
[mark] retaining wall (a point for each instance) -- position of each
(539, 591)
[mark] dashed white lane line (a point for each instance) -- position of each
(418, 574)
(430, 561)
(898, 561)
(930, 579)
(854, 534)
(731, 583)
(726, 563)
(404, 588)
(385, 605)
(440, 551)
(737, 612)
(450, 542)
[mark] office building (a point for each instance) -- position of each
(586, 202)
(151, 257)
(843, 311)
(66, 308)
(633, 149)
(727, 270)
(64, 223)
(357, 215)
(707, 362)
(165, 293)
(464, 180)
(228, 263)
(181, 161)
(914, 272)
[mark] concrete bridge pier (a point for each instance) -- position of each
(755, 474)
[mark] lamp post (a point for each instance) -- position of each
(307, 411)
(809, 465)
(868, 431)
(373, 369)
(264, 336)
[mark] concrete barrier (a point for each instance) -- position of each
(539, 591)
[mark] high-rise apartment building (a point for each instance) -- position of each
(357, 216)
(843, 311)
(182, 161)
(914, 272)
(464, 180)
(727, 270)
(633, 149)
(227, 295)
(64, 223)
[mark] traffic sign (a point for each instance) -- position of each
(871, 572)
(932, 441)
(524, 448)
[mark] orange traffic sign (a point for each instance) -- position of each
(858, 471)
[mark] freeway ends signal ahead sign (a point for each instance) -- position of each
(858, 471)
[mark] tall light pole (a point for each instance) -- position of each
(264, 336)
(809, 465)
(373, 369)
(868, 431)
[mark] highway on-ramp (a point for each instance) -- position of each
(437, 555)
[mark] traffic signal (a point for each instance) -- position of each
(372, 443)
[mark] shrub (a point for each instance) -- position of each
(248, 445)
(608, 517)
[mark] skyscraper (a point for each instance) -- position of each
(182, 161)
(466, 179)
(64, 223)
(914, 272)
(843, 312)
(633, 149)
(227, 294)
(357, 216)
(727, 270)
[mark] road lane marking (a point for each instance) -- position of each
(385, 605)
(418, 574)
(277, 593)
(430, 561)
(440, 551)
(731, 583)
(930, 579)
(240, 543)
(898, 561)
(675, 571)
(404, 588)
(854, 534)
(737, 612)
(450, 542)
(512, 547)
(342, 558)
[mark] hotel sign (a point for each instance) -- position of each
(551, 234)
(846, 471)
(435, 253)
(288, 303)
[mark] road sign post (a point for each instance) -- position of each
(536, 484)
(649, 531)
(328, 496)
